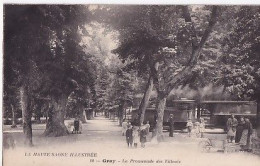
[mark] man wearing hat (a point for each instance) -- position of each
(129, 135)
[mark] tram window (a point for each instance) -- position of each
(189, 114)
(205, 112)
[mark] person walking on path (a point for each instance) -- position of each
(136, 135)
(189, 127)
(202, 127)
(231, 128)
(143, 134)
(124, 127)
(245, 140)
(76, 125)
(240, 128)
(197, 129)
(171, 123)
(129, 136)
(147, 126)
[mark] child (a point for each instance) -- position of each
(129, 135)
(189, 126)
(135, 136)
(202, 127)
(197, 129)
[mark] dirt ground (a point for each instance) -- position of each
(101, 143)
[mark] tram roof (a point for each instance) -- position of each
(184, 101)
(226, 102)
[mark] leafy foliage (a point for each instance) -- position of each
(241, 54)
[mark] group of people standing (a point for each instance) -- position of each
(197, 128)
(135, 134)
(239, 131)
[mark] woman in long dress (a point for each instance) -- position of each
(143, 134)
(245, 141)
(231, 128)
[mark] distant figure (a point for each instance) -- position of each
(143, 134)
(171, 123)
(136, 135)
(240, 128)
(129, 135)
(245, 140)
(135, 121)
(76, 125)
(8, 141)
(189, 126)
(147, 126)
(202, 127)
(124, 127)
(231, 128)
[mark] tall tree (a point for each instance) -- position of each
(165, 40)
(241, 60)
(43, 54)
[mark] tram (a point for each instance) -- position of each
(215, 113)
(181, 109)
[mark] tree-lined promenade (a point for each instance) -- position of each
(61, 60)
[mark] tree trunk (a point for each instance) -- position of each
(198, 111)
(13, 116)
(82, 114)
(258, 118)
(27, 114)
(120, 112)
(158, 132)
(89, 114)
(55, 126)
(145, 100)
(38, 112)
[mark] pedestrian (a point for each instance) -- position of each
(189, 126)
(240, 128)
(171, 125)
(76, 125)
(147, 126)
(202, 127)
(143, 136)
(231, 128)
(136, 135)
(196, 129)
(135, 121)
(245, 141)
(124, 127)
(129, 136)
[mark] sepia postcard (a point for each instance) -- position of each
(131, 85)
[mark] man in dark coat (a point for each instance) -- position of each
(76, 125)
(240, 128)
(129, 135)
(171, 123)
